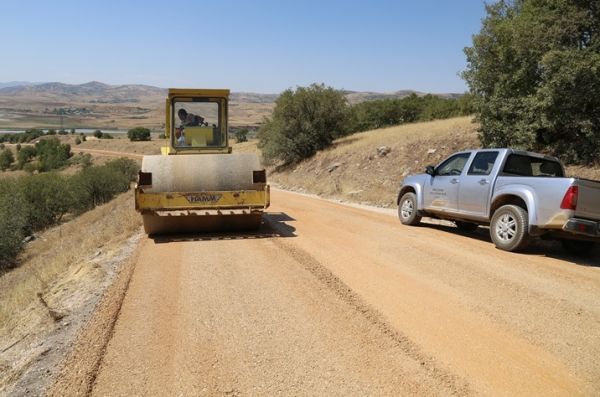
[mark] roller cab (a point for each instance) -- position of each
(197, 184)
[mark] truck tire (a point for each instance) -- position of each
(509, 228)
(577, 247)
(407, 209)
(466, 226)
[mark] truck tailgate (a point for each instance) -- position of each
(588, 200)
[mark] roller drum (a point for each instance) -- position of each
(197, 173)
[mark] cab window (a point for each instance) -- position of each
(454, 165)
(483, 163)
(196, 124)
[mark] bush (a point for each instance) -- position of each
(51, 132)
(62, 132)
(304, 121)
(241, 135)
(98, 134)
(45, 198)
(6, 159)
(35, 202)
(12, 222)
(138, 134)
(18, 147)
(77, 141)
(106, 136)
(371, 115)
(52, 154)
(25, 155)
(72, 131)
(162, 136)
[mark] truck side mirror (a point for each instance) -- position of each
(430, 170)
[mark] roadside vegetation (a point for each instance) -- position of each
(309, 119)
(138, 134)
(32, 203)
(534, 72)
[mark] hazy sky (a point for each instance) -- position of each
(255, 45)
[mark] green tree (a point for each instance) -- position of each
(98, 134)
(304, 120)
(72, 131)
(52, 154)
(6, 159)
(25, 155)
(534, 72)
(138, 134)
(13, 222)
(241, 135)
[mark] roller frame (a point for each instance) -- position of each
(253, 200)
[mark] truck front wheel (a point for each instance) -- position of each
(508, 228)
(407, 209)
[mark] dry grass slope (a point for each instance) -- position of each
(352, 170)
(60, 271)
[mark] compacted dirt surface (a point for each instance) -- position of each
(329, 299)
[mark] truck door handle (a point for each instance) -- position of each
(483, 182)
(454, 181)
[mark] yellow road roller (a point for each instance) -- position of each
(197, 184)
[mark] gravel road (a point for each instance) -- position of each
(330, 299)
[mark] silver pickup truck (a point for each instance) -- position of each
(518, 194)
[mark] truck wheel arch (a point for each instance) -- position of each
(526, 202)
(406, 189)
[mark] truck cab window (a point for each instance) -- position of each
(521, 165)
(483, 163)
(454, 165)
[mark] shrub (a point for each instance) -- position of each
(25, 155)
(106, 136)
(138, 134)
(6, 159)
(12, 222)
(18, 147)
(72, 131)
(52, 154)
(51, 132)
(62, 132)
(162, 136)
(98, 134)
(304, 121)
(45, 198)
(241, 135)
(35, 202)
(77, 141)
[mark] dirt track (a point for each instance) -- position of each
(330, 299)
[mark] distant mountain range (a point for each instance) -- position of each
(99, 105)
(17, 83)
(132, 93)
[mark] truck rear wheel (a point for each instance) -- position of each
(407, 210)
(509, 228)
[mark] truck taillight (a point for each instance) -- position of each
(569, 202)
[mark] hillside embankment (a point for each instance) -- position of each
(369, 167)
(62, 276)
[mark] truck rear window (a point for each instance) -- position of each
(521, 165)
